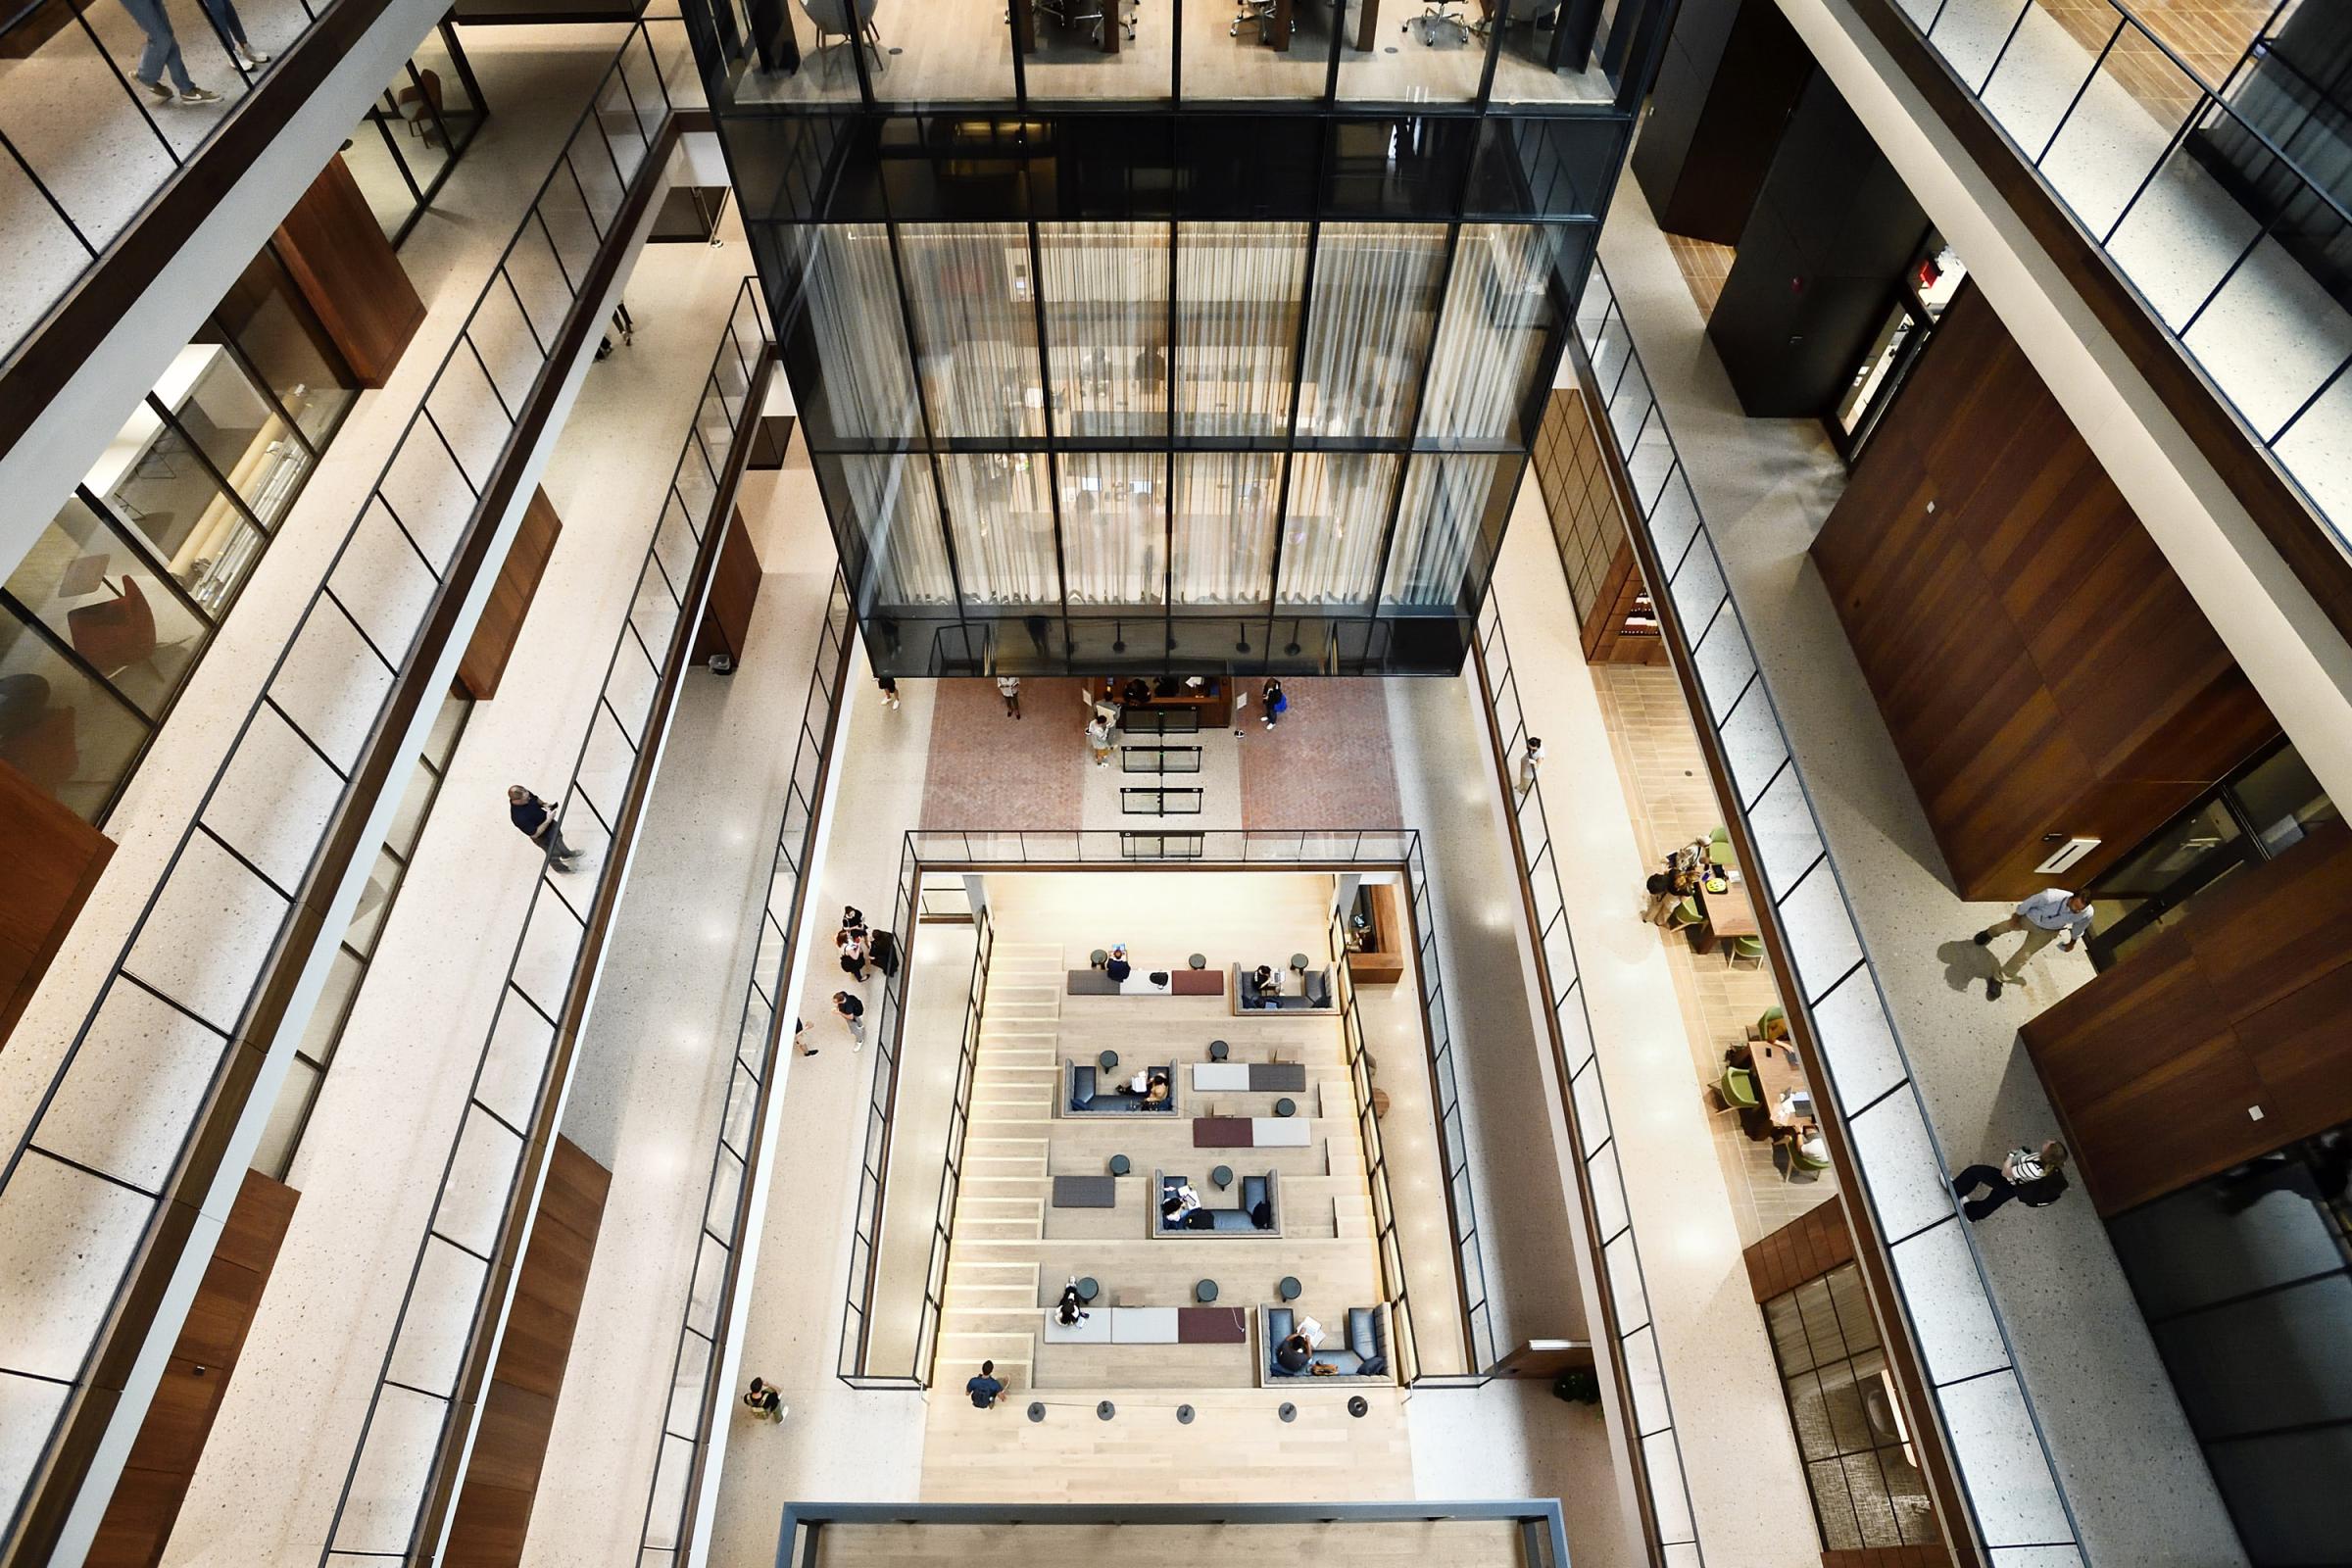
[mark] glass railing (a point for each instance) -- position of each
(1954, 1322)
(762, 1030)
(483, 1208)
(2201, 196)
(1634, 1364)
(273, 846)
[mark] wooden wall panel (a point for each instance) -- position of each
(518, 1407)
(340, 259)
(726, 622)
(1585, 499)
(2040, 667)
(2155, 1066)
(163, 1458)
(509, 601)
(1805, 1249)
(49, 862)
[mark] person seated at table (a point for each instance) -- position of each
(1293, 1353)
(1071, 1309)
(1138, 692)
(1155, 1092)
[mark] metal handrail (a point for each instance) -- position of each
(2208, 100)
(646, 740)
(1719, 610)
(326, 890)
(760, 1030)
(1591, 1147)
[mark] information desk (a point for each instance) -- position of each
(1212, 699)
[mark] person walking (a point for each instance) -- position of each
(232, 32)
(161, 55)
(2035, 1177)
(765, 1402)
(1098, 739)
(2041, 919)
(1529, 760)
(985, 1388)
(535, 820)
(1277, 705)
(800, 1030)
(1008, 687)
(889, 688)
(852, 1013)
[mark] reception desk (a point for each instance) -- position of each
(1212, 700)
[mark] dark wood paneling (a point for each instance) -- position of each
(1730, 77)
(340, 259)
(163, 1458)
(49, 861)
(2155, 1065)
(2302, 540)
(518, 1407)
(1805, 1249)
(2041, 669)
(509, 601)
(1888, 1557)
(726, 623)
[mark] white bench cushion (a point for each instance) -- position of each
(1093, 1328)
(1278, 1132)
(1143, 1325)
(1220, 1075)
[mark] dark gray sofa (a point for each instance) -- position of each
(1359, 1349)
(1087, 1096)
(1316, 998)
(1235, 1220)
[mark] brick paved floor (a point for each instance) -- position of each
(1328, 762)
(988, 770)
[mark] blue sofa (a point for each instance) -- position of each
(1088, 1096)
(1361, 1354)
(1315, 995)
(1234, 1221)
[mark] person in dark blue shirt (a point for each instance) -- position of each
(985, 1388)
(535, 820)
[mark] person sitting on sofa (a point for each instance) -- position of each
(1155, 1093)
(1293, 1353)
(1178, 1203)
(1117, 967)
(1263, 980)
(1071, 1308)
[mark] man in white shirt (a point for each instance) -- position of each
(2042, 917)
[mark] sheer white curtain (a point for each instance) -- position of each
(975, 327)
(896, 506)
(1239, 287)
(1225, 506)
(1106, 326)
(1437, 527)
(1497, 306)
(853, 312)
(1114, 519)
(1003, 526)
(1331, 539)
(1375, 300)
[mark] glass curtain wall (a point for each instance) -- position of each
(415, 131)
(103, 618)
(1034, 438)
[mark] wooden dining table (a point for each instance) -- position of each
(1779, 1073)
(1730, 913)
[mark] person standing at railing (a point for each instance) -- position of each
(535, 820)
(232, 29)
(162, 53)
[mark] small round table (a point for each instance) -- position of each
(1286, 1106)
(1205, 1292)
(1108, 1060)
(1087, 1290)
(1288, 1290)
(1098, 958)
(1199, 960)
(1218, 1050)
(1298, 961)
(1222, 1175)
(1120, 1166)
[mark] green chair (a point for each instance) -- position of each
(1685, 915)
(1773, 1023)
(1744, 949)
(1737, 1086)
(1798, 1160)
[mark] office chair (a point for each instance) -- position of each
(1439, 16)
(1258, 13)
(833, 18)
(1078, 12)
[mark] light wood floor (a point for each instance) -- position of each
(1011, 1250)
(1403, 1543)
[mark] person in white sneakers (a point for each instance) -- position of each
(2042, 917)
(2035, 1177)
(232, 29)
